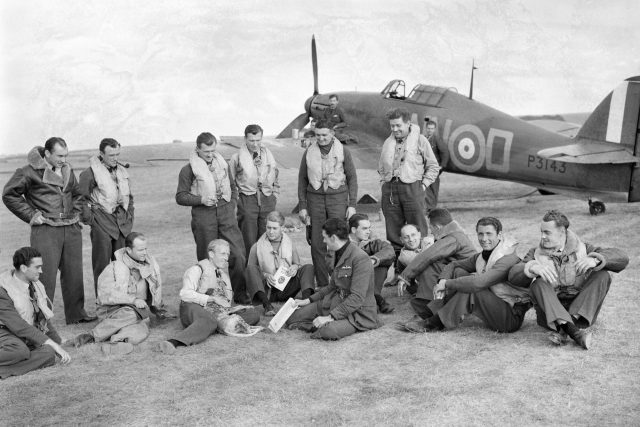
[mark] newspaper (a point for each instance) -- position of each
(282, 315)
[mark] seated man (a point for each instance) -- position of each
(129, 289)
(28, 341)
(346, 305)
(380, 252)
(570, 279)
(451, 244)
(206, 298)
(478, 285)
(272, 250)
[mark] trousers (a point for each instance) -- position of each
(219, 222)
(321, 207)
(303, 317)
(102, 248)
(122, 325)
(403, 204)
(252, 218)
(16, 358)
(61, 248)
(431, 195)
(301, 281)
(199, 324)
(581, 309)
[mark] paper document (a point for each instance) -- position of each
(282, 315)
(281, 278)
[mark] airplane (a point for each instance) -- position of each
(600, 158)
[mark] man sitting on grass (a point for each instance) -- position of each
(570, 279)
(380, 252)
(28, 340)
(451, 243)
(207, 298)
(274, 249)
(129, 290)
(478, 285)
(347, 304)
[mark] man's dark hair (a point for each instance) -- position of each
(275, 216)
(489, 220)
(558, 217)
(131, 237)
(50, 143)
(323, 124)
(253, 130)
(429, 123)
(206, 138)
(354, 221)
(108, 142)
(399, 113)
(333, 95)
(24, 255)
(336, 227)
(440, 216)
(309, 134)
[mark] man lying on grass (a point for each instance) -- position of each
(347, 304)
(207, 300)
(570, 279)
(478, 285)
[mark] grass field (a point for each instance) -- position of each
(468, 376)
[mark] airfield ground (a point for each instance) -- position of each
(469, 376)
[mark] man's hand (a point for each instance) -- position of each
(402, 285)
(37, 219)
(270, 280)
(140, 303)
(303, 215)
(64, 356)
(439, 290)
(301, 302)
(208, 201)
(320, 321)
(350, 212)
(293, 270)
(584, 264)
(547, 272)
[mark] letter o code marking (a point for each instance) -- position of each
(467, 148)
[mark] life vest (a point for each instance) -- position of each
(267, 259)
(565, 266)
(504, 290)
(110, 192)
(221, 285)
(206, 184)
(326, 171)
(22, 302)
(254, 177)
(411, 167)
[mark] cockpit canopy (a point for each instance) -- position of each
(420, 94)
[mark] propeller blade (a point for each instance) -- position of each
(297, 123)
(314, 64)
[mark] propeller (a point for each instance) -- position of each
(302, 120)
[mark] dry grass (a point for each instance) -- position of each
(470, 376)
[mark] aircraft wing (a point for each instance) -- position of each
(557, 126)
(286, 151)
(590, 152)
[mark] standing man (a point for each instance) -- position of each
(129, 290)
(380, 253)
(478, 285)
(45, 195)
(256, 175)
(431, 198)
(28, 340)
(109, 205)
(274, 249)
(570, 279)
(335, 117)
(451, 244)
(407, 167)
(206, 299)
(347, 304)
(205, 184)
(327, 188)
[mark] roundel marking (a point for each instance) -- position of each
(467, 148)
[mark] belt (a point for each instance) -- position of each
(59, 216)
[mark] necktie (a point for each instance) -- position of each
(257, 162)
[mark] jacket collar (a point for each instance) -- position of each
(452, 227)
(36, 160)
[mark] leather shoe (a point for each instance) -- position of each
(582, 338)
(163, 314)
(385, 308)
(84, 319)
(558, 338)
(83, 339)
(269, 310)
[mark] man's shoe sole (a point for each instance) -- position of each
(166, 347)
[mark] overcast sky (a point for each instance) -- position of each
(153, 71)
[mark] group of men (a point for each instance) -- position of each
(244, 257)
